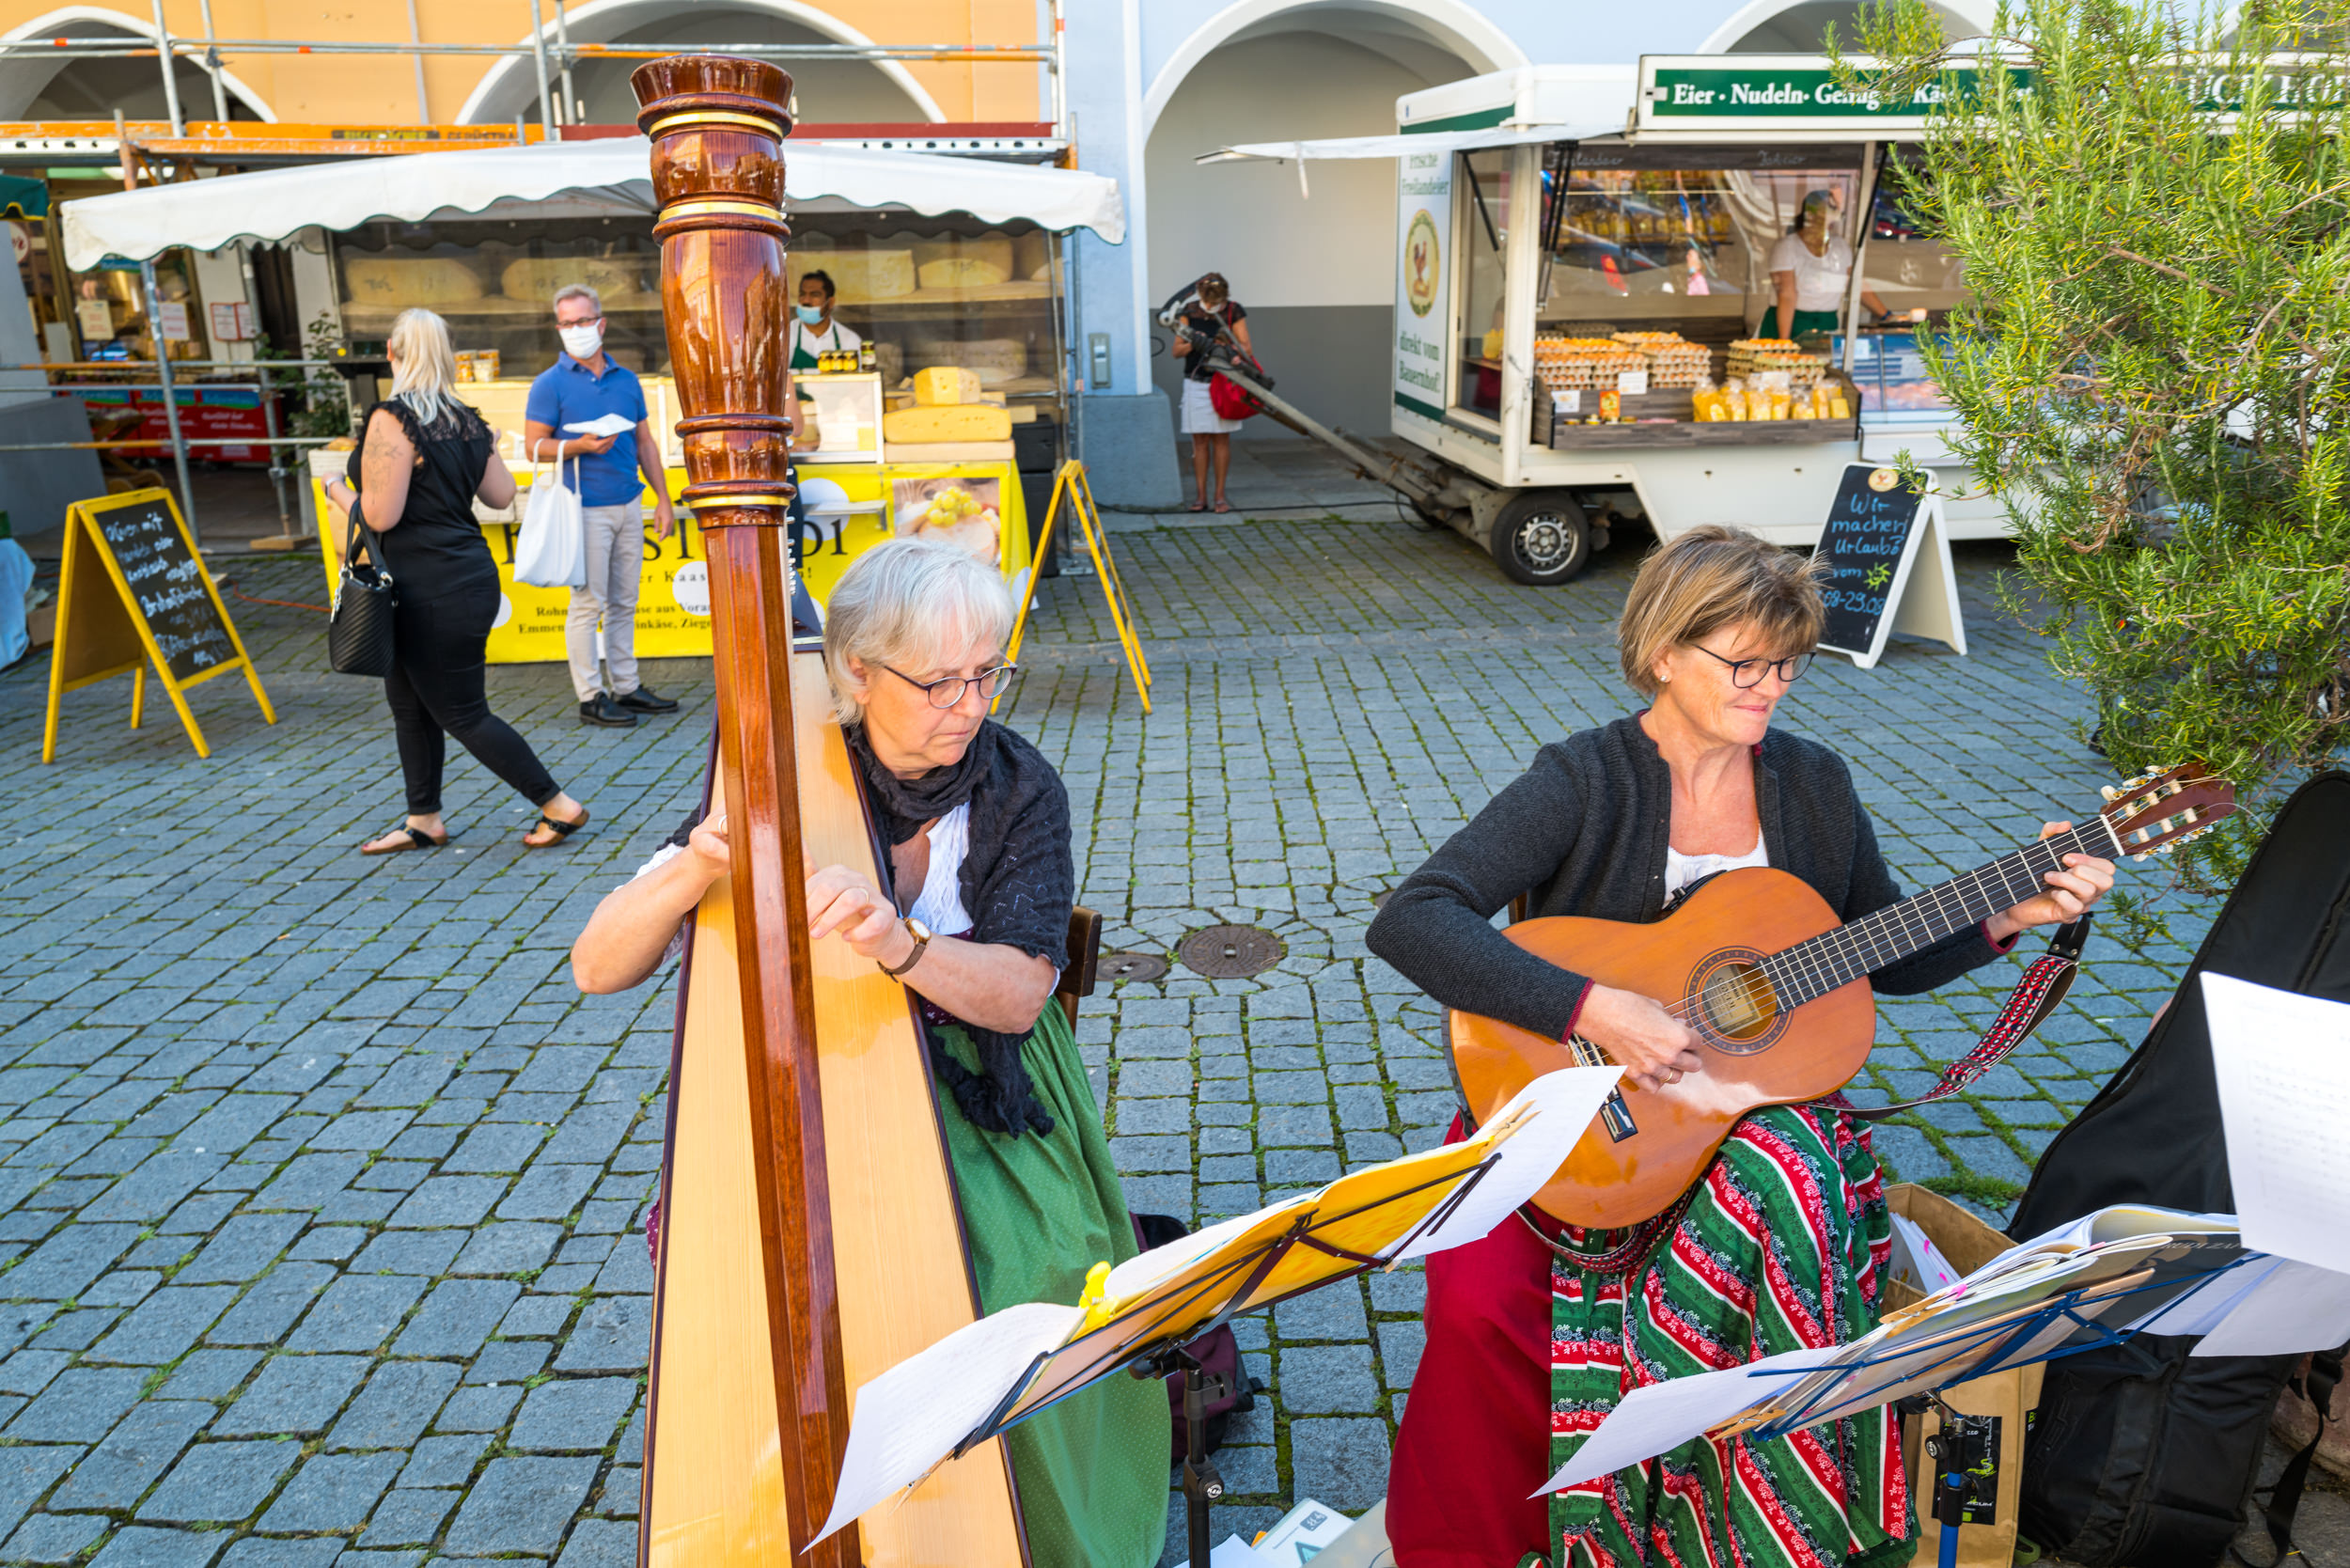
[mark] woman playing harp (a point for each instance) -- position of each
(977, 828)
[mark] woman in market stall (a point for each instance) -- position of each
(1810, 269)
(813, 330)
(1535, 1333)
(981, 866)
(422, 458)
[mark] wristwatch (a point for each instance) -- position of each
(921, 934)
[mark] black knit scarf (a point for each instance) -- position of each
(1018, 881)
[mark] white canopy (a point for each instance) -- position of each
(1397, 146)
(612, 175)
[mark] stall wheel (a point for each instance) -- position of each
(1542, 538)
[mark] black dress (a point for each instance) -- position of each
(448, 598)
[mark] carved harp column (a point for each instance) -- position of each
(716, 125)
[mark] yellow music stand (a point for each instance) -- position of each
(1070, 482)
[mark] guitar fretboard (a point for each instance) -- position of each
(1813, 968)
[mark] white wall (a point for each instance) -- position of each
(1333, 246)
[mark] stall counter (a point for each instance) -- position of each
(673, 594)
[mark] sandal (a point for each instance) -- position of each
(1224, 506)
(417, 840)
(562, 829)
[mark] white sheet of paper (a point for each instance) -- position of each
(1564, 1104)
(608, 424)
(1232, 1552)
(912, 1416)
(2283, 1067)
(1916, 1261)
(1663, 1416)
(2294, 1307)
(2206, 1306)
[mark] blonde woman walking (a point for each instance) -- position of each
(422, 458)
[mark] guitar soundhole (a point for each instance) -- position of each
(1735, 1003)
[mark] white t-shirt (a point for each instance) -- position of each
(1680, 869)
(1820, 280)
(825, 340)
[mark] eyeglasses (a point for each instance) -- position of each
(1747, 673)
(948, 692)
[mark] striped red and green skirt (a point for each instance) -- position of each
(1532, 1339)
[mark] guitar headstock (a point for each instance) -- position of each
(2156, 811)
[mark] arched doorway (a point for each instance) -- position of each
(33, 87)
(829, 91)
(1314, 265)
(1777, 27)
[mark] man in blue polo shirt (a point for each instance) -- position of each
(582, 386)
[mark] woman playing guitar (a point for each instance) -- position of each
(1534, 1333)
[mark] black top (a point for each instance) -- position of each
(437, 540)
(1201, 318)
(1584, 831)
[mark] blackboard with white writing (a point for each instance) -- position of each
(1868, 533)
(167, 587)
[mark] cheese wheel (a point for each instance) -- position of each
(996, 359)
(537, 278)
(861, 276)
(913, 427)
(945, 385)
(1031, 255)
(962, 271)
(994, 250)
(400, 281)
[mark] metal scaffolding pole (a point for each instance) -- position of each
(563, 54)
(171, 74)
(171, 397)
(930, 54)
(415, 34)
(212, 64)
(538, 53)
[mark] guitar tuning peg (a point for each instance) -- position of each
(2111, 791)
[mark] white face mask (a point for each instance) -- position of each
(582, 341)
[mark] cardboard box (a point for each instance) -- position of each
(2012, 1396)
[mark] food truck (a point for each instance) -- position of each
(1582, 268)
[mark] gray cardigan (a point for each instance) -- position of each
(1583, 831)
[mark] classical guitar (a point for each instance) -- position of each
(1774, 989)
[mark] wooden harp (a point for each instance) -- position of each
(810, 1238)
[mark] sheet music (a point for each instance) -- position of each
(1563, 1104)
(2294, 1307)
(1663, 1416)
(1916, 1261)
(2283, 1067)
(912, 1416)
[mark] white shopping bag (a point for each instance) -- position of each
(552, 551)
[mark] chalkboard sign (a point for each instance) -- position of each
(1889, 567)
(133, 594)
(166, 585)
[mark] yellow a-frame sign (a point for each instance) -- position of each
(133, 592)
(1070, 485)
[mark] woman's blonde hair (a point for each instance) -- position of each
(424, 366)
(909, 602)
(1713, 577)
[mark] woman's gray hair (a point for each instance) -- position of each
(909, 602)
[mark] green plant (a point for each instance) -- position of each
(322, 403)
(2151, 209)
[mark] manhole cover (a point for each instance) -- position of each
(1230, 952)
(1129, 966)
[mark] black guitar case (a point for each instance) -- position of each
(2140, 1456)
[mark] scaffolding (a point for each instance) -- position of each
(138, 147)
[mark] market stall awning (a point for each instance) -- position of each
(1397, 146)
(275, 204)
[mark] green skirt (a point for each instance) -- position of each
(1092, 1470)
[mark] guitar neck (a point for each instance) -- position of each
(1813, 968)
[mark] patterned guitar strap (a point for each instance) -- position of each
(2035, 997)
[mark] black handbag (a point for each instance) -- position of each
(359, 633)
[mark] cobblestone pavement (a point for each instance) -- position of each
(321, 1184)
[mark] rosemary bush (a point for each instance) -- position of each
(2151, 211)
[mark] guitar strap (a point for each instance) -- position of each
(2035, 997)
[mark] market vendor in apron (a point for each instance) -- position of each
(813, 329)
(1810, 269)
